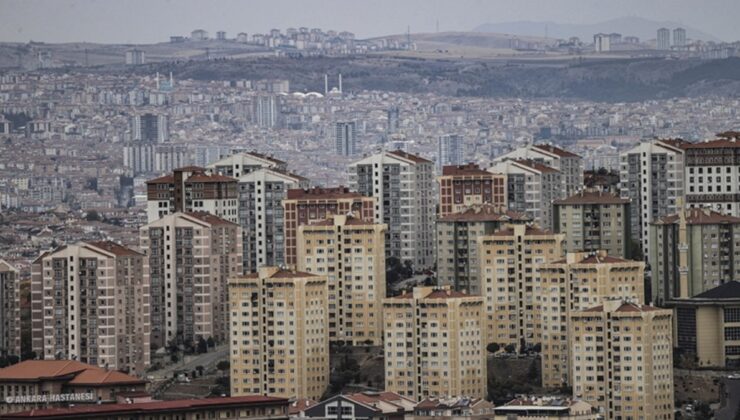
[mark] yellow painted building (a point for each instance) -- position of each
(434, 344)
(622, 356)
(350, 252)
(578, 282)
(279, 334)
(509, 259)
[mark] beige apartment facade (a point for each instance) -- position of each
(189, 258)
(622, 356)
(350, 252)
(592, 221)
(463, 186)
(457, 243)
(279, 334)
(509, 259)
(90, 302)
(434, 344)
(578, 282)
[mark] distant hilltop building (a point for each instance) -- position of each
(602, 42)
(664, 39)
(199, 35)
(679, 37)
(135, 57)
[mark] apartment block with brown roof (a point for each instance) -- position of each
(403, 186)
(457, 243)
(90, 302)
(531, 188)
(592, 221)
(697, 248)
(465, 185)
(243, 163)
(434, 344)
(192, 189)
(712, 174)
(189, 257)
(509, 259)
(578, 282)
(622, 358)
(570, 165)
(350, 252)
(279, 334)
(10, 312)
(302, 206)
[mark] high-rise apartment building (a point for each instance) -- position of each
(509, 259)
(434, 344)
(192, 189)
(302, 206)
(592, 221)
(279, 334)
(578, 282)
(569, 164)
(465, 185)
(651, 176)
(243, 163)
(692, 252)
(450, 150)
(712, 174)
(10, 311)
(622, 356)
(345, 138)
(679, 37)
(531, 188)
(350, 253)
(602, 43)
(90, 302)
(266, 111)
(189, 257)
(663, 41)
(394, 121)
(458, 262)
(403, 186)
(263, 184)
(150, 128)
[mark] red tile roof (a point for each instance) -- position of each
(536, 165)
(190, 168)
(409, 156)
(114, 248)
(485, 213)
(167, 179)
(719, 143)
(202, 177)
(592, 197)
(84, 374)
(471, 169)
(700, 217)
(555, 150)
(97, 411)
(209, 218)
(300, 405)
(266, 157)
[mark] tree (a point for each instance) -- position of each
(211, 343)
(223, 366)
(510, 348)
(493, 347)
(202, 346)
(92, 216)
(174, 358)
(532, 373)
(537, 348)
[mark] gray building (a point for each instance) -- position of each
(450, 151)
(664, 39)
(345, 138)
(266, 111)
(10, 339)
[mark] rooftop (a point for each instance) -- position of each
(97, 411)
(114, 248)
(209, 218)
(593, 197)
(79, 373)
(536, 166)
(470, 169)
(485, 213)
(318, 193)
(699, 217)
(729, 290)
(555, 150)
(409, 156)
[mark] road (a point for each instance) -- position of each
(206, 360)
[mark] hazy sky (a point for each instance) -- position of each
(146, 21)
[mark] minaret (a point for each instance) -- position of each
(326, 84)
(340, 82)
(683, 252)
(157, 80)
(172, 82)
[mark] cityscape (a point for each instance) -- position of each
(284, 219)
